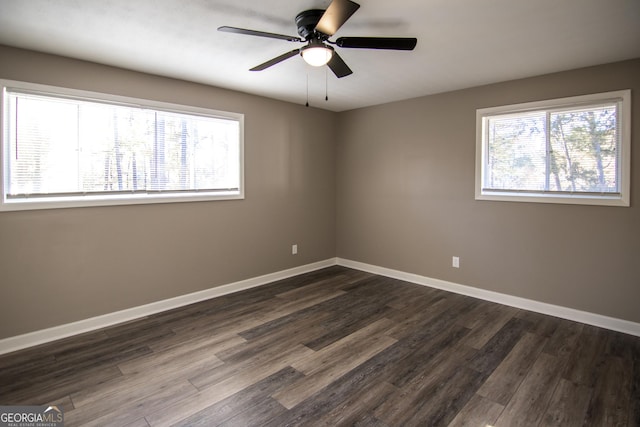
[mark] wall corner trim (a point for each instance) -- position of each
(594, 319)
(30, 339)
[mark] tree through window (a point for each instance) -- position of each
(71, 148)
(561, 149)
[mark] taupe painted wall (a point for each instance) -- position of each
(391, 185)
(62, 265)
(405, 201)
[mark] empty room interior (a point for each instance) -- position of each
(436, 224)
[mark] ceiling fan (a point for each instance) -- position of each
(315, 27)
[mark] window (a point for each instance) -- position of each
(64, 148)
(571, 150)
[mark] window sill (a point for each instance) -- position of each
(574, 199)
(93, 201)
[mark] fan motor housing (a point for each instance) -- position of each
(306, 22)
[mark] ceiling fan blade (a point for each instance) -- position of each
(275, 60)
(259, 34)
(393, 43)
(338, 66)
(336, 15)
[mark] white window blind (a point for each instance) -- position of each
(62, 148)
(574, 150)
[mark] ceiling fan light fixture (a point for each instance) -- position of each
(317, 55)
(316, 27)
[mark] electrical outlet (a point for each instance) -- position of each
(294, 249)
(455, 262)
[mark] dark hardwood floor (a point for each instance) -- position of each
(336, 347)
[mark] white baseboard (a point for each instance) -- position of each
(31, 339)
(599, 320)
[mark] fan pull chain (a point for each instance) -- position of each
(326, 84)
(307, 104)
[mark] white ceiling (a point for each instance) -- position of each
(461, 43)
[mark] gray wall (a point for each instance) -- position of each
(63, 265)
(405, 201)
(391, 185)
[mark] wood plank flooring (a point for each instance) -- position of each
(335, 347)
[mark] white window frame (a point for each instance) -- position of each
(106, 199)
(624, 151)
